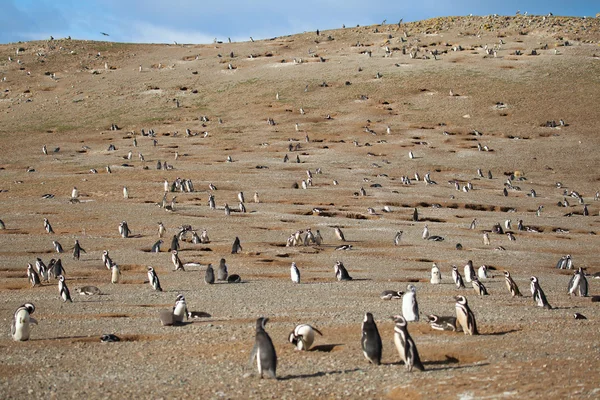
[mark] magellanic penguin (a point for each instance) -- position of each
(457, 277)
(436, 275)
(303, 336)
(77, 250)
(209, 275)
(106, 260)
(339, 234)
(236, 247)
(469, 271)
(222, 270)
(174, 243)
(65, 294)
(511, 285)
(391, 294)
(410, 307)
(444, 323)
(57, 246)
(465, 317)
(479, 288)
(41, 269)
(47, 226)
(156, 246)
(371, 341)
(405, 345)
(176, 261)
(538, 294)
(33, 276)
(295, 273)
(578, 284)
(180, 311)
(55, 268)
(340, 272)
(19, 328)
(397, 238)
(264, 351)
(115, 273)
(153, 278)
(124, 229)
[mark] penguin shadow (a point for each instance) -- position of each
(325, 348)
(500, 333)
(448, 365)
(317, 374)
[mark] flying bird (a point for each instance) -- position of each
(105, 34)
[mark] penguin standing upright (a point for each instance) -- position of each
(405, 345)
(156, 246)
(153, 278)
(41, 269)
(174, 243)
(339, 234)
(180, 310)
(77, 249)
(457, 277)
(115, 273)
(482, 272)
(161, 230)
(47, 226)
(465, 317)
(19, 328)
(303, 336)
(469, 271)
(124, 229)
(410, 307)
(65, 294)
(222, 270)
(578, 284)
(538, 294)
(511, 285)
(479, 288)
(55, 268)
(209, 275)
(33, 276)
(295, 273)
(264, 351)
(57, 246)
(176, 261)
(106, 259)
(340, 272)
(371, 341)
(236, 247)
(436, 275)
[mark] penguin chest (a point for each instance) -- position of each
(400, 345)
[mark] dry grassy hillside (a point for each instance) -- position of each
(445, 89)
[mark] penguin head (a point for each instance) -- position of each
(30, 307)
(432, 318)
(261, 323)
(61, 278)
(399, 320)
(179, 298)
(150, 269)
(368, 318)
(534, 279)
(293, 338)
(461, 299)
(411, 288)
(506, 274)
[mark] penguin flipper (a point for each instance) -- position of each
(318, 331)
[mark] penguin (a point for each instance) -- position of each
(161, 230)
(469, 271)
(174, 243)
(180, 311)
(204, 237)
(405, 345)
(235, 278)
(77, 249)
(55, 268)
(125, 192)
(578, 284)
(340, 272)
(33, 276)
(47, 226)
(209, 275)
(538, 294)
(415, 214)
(318, 238)
(295, 273)
(115, 274)
(425, 232)
(256, 198)
(241, 197)
(397, 238)
(391, 294)
(153, 278)
(511, 285)
(486, 239)
(443, 323)
(20, 329)
(465, 317)
(156, 246)
(482, 272)
(74, 193)
(124, 229)
(303, 336)
(479, 288)
(436, 275)
(57, 246)
(41, 269)
(65, 294)
(109, 338)
(410, 307)
(264, 351)
(371, 341)
(339, 234)
(457, 278)
(222, 270)
(236, 247)
(88, 291)
(176, 261)
(473, 223)
(106, 260)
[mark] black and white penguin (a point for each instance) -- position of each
(340, 272)
(465, 317)
(176, 261)
(115, 273)
(479, 287)
(124, 229)
(57, 246)
(371, 341)
(436, 275)
(209, 275)
(469, 271)
(578, 284)
(153, 279)
(234, 278)
(410, 307)
(511, 285)
(77, 250)
(295, 273)
(174, 243)
(405, 345)
(88, 291)
(397, 238)
(236, 247)
(339, 234)
(303, 336)
(538, 294)
(222, 270)
(20, 327)
(106, 260)
(33, 276)
(156, 246)
(180, 310)
(41, 269)
(264, 351)
(444, 323)
(391, 294)
(65, 294)
(457, 277)
(55, 268)
(47, 226)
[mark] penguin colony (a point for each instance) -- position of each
(337, 237)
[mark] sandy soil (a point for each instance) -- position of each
(59, 94)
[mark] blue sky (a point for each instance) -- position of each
(199, 21)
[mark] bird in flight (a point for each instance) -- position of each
(105, 34)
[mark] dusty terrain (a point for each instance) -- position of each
(59, 94)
